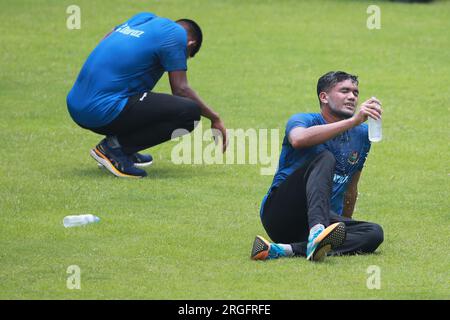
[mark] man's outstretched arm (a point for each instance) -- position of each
(301, 137)
(351, 196)
(180, 87)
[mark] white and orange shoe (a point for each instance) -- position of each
(322, 240)
(265, 250)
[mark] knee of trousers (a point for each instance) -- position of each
(325, 160)
(191, 116)
(373, 238)
(327, 156)
(193, 111)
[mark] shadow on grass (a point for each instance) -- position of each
(153, 173)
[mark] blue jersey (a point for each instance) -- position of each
(350, 150)
(129, 61)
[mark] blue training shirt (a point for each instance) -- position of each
(127, 62)
(350, 149)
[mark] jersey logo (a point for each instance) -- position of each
(353, 158)
(340, 179)
(125, 29)
(143, 97)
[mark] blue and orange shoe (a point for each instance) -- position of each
(265, 250)
(116, 161)
(141, 160)
(323, 240)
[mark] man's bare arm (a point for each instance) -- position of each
(351, 196)
(306, 137)
(300, 137)
(180, 87)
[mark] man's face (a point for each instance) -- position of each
(343, 98)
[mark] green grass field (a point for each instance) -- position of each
(186, 231)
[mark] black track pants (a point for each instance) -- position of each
(303, 200)
(150, 119)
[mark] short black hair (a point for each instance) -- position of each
(196, 32)
(330, 79)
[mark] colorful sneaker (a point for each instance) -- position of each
(141, 160)
(265, 250)
(117, 162)
(325, 239)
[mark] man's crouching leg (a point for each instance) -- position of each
(362, 237)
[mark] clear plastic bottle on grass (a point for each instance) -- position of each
(79, 220)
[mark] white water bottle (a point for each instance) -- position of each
(80, 220)
(375, 133)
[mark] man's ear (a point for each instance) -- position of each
(323, 97)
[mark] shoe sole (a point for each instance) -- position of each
(143, 164)
(330, 238)
(139, 165)
(260, 249)
(104, 161)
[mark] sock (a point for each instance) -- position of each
(287, 249)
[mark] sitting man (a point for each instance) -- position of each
(307, 210)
